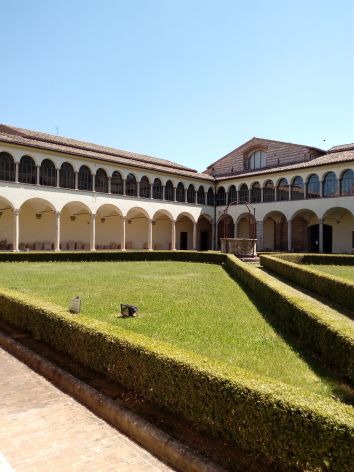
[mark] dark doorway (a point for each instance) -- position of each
(204, 240)
(184, 241)
(327, 238)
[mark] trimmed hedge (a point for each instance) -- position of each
(330, 337)
(292, 429)
(333, 288)
(314, 258)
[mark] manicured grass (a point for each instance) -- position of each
(345, 272)
(194, 306)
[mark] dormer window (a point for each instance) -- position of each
(257, 160)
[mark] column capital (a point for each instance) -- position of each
(57, 213)
(16, 212)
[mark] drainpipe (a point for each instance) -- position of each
(215, 224)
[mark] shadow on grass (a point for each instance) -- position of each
(340, 389)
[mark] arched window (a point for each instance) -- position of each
(101, 181)
(256, 193)
(85, 178)
(313, 186)
(7, 167)
(330, 185)
(257, 160)
(48, 174)
(347, 183)
(27, 170)
(144, 187)
(157, 190)
(269, 191)
(297, 189)
(66, 176)
(180, 192)
(232, 194)
(220, 197)
(210, 197)
(116, 183)
(169, 194)
(283, 190)
(243, 193)
(191, 194)
(201, 195)
(130, 186)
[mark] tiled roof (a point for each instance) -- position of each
(342, 147)
(13, 135)
(326, 159)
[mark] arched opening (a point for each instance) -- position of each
(191, 194)
(220, 197)
(157, 190)
(108, 227)
(85, 178)
(226, 228)
(204, 233)
(180, 192)
(116, 183)
(330, 185)
(144, 187)
(48, 174)
(137, 225)
(243, 193)
(210, 197)
(297, 189)
(162, 230)
(338, 231)
(232, 196)
(6, 225)
(313, 187)
(201, 196)
(27, 172)
(256, 193)
(269, 191)
(101, 181)
(75, 227)
(169, 194)
(246, 226)
(37, 225)
(131, 186)
(7, 167)
(184, 232)
(66, 176)
(283, 190)
(275, 232)
(303, 232)
(347, 183)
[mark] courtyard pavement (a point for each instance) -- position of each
(43, 429)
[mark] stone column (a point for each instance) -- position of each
(320, 235)
(151, 191)
(235, 229)
(138, 189)
(16, 230)
(194, 246)
(174, 194)
(57, 231)
(321, 188)
(173, 236)
(93, 233)
(122, 244)
(76, 181)
(124, 187)
(58, 178)
(93, 182)
(149, 234)
(38, 178)
(290, 234)
(262, 196)
(185, 196)
(16, 172)
(109, 185)
(259, 235)
(163, 192)
(212, 235)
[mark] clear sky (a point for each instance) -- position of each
(186, 80)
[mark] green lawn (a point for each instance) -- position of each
(197, 307)
(345, 272)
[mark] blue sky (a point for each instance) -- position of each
(185, 80)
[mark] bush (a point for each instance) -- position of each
(281, 424)
(324, 259)
(334, 288)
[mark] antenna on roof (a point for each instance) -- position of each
(57, 130)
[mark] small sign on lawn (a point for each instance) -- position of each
(75, 305)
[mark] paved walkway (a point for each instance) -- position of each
(43, 429)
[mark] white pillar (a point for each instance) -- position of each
(38, 175)
(212, 235)
(93, 233)
(149, 234)
(320, 235)
(194, 247)
(138, 189)
(174, 194)
(16, 230)
(76, 181)
(93, 182)
(109, 185)
(173, 236)
(235, 230)
(262, 194)
(163, 192)
(16, 172)
(321, 188)
(124, 188)
(259, 235)
(151, 190)
(122, 244)
(58, 178)
(185, 196)
(290, 242)
(57, 231)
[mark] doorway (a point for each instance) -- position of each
(204, 240)
(183, 241)
(327, 238)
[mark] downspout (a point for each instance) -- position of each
(215, 224)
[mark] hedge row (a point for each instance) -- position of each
(278, 423)
(311, 258)
(330, 337)
(333, 288)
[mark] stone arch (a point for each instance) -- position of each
(137, 227)
(6, 224)
(108, 227)
(7, 167)
(275, 231)
(226, 228)
(101, 181)
(201, 195)
(27, 171)
(75, 226)
(184, 231)
(48, 173)
(162, 230)
(67, 176)
(144, 189)
(338, 230)
(246, 226)
(37, 225)
(204, 233)
(304, 237)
